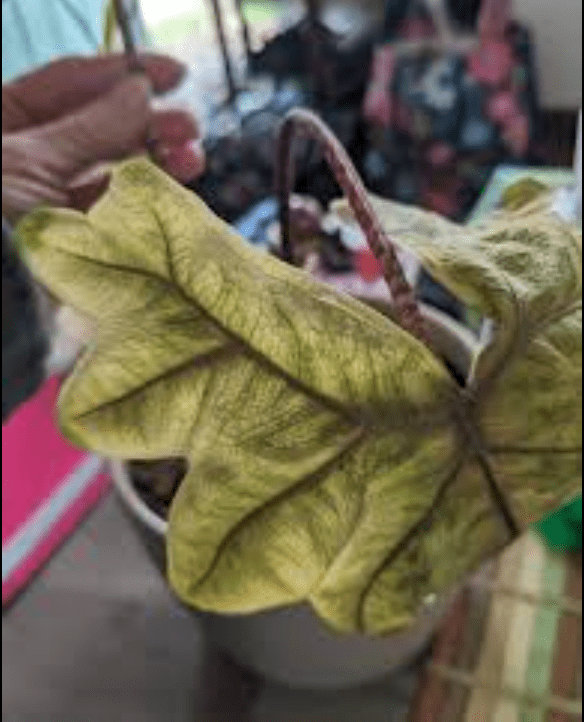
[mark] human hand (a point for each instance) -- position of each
(62, 124)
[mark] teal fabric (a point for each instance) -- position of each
(34, 32)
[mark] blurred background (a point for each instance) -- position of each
(90, 631)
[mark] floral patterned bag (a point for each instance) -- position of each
(444, 108)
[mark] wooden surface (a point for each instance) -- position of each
(510, 647)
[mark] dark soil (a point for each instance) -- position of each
(157, 481)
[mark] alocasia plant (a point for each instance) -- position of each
(332, 459)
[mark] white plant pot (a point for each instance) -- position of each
(290, 645)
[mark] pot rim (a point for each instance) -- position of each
(127, 490)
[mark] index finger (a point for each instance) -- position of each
(68, 84)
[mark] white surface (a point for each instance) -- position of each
(155, 11)
(568, 200)
(566, 204)
(557, 35)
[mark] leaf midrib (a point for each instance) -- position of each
(355, 438)
(330, 403)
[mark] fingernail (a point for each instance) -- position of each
(185, 162)
(164, 72)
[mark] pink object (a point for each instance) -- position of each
(48, 485)
(417, 28)
(491, 63)
(516, 135)
(383, 66)
(368, 267)
(494, 18)
(441, 154)
(502, 106)
(377, 106)
(184, 162)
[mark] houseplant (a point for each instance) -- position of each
(289, 644)
(332, 460)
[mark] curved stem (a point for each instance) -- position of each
(300, 121)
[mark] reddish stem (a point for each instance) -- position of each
(303, 122)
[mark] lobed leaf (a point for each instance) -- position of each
(325, 460)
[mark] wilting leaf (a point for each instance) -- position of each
(524, 271)
(327, 462)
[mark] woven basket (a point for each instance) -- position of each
(510, 650)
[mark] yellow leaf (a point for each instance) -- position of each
(332, 459)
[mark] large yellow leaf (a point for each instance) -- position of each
(328, 459)
(523, 269)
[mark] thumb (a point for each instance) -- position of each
(112, 127)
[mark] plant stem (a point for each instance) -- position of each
(303, 122)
